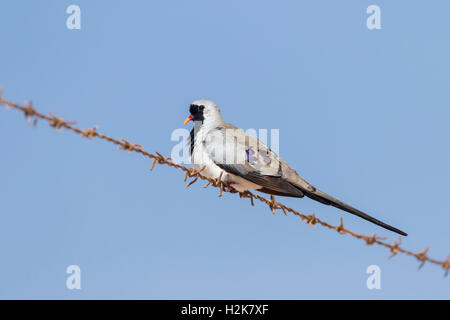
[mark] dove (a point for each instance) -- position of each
(244, 163)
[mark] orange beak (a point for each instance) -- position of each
(188, 119)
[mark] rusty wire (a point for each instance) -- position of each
(32, 116)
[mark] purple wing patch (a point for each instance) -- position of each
(250, 155)
(265, 155)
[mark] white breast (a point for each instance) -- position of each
(200, 158)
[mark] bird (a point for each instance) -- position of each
(244, 163)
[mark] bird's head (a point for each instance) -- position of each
(205, 111)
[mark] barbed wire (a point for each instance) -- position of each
(32, 116)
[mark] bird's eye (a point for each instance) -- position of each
(202, 108)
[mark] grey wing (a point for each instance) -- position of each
(243, 155)
(240, 154)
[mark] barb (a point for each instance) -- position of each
(32, 116)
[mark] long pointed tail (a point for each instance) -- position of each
(329, 200)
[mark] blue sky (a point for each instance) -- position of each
(363, 115)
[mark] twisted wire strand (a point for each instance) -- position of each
(32, 116)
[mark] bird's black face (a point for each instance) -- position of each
(196, 112)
